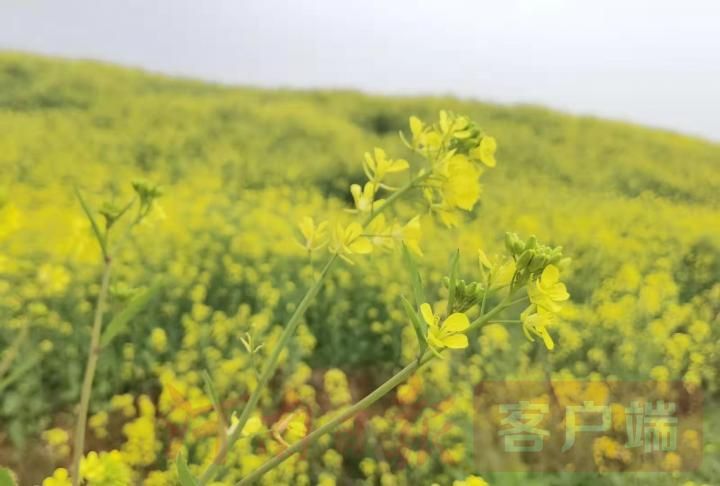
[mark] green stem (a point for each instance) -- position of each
(484, 298)
(373, 397)
(483, 319)
(267, 373)
(93, 356)
(288, 332)
(395, 196)
(517, 301)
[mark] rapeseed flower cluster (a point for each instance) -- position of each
(643, 280)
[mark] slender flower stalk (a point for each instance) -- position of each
(350, 412)
(290, 328)
(267, 372)
(363, 404)
(93, 356)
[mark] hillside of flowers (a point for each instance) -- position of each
(264, 261)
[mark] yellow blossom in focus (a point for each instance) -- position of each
(460, 187)
(547, 291)
(499, 272)
(534, 322)
(448, 334)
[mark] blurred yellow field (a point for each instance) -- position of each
(224, 251)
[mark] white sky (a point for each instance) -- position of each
(655, 62)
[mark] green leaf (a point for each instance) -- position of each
(454, 258)
(212, 393)
(96, 229)
(19, 370)
(417, 322)
(119, 323)
(6, 478)
(415, 278)
(184, 475)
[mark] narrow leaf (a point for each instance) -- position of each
(415, 278)
(454, 258)
(18, 371)
(212, 393)
(96, 229)
(184, 476)
(120, 321)
(417, 322)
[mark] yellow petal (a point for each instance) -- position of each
(558, 292)
(434, 342)
(398, 165)
(547, 339)
(427, 314)
(361, 246)
(444, 121)
(370, 161)
(550, 276)
(379, 155)
(456, 322)
(416, 126)
(456, 341)
(356, 192)
(307, 226)
(488, 145)
(368, 191)
(352, 232)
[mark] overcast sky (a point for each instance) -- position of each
(655, 62)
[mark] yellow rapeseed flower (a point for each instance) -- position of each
(349, 240)
(449, 334)
(460, 187)
(485, 151)
(364, 197)
(410, 234)
(535, 321)
(315, 235)
(547, 291)
(378, 165)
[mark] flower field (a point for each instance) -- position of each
(265, 260)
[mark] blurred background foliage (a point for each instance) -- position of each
(637, 209)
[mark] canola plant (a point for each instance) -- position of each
(290, 303)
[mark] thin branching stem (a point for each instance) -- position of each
(93, 356)
(347, 414)
(272, 363)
